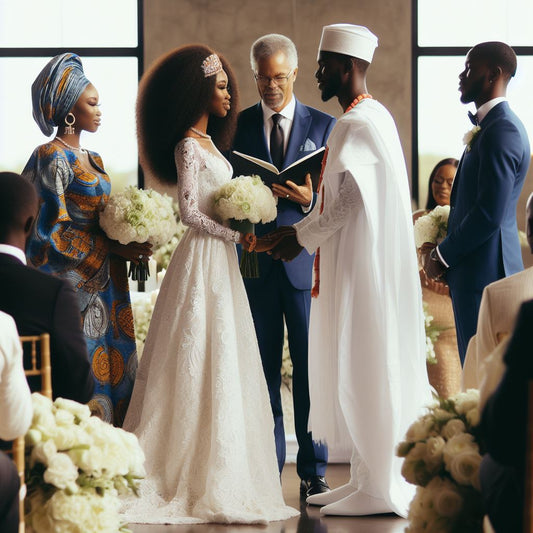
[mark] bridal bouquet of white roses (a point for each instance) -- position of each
(442, 456)
(138, 215)
(77, 466)
(245, 201)
(433, 226)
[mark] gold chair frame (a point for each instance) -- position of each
(44, 369)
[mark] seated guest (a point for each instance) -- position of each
(499, 307)
(445, 375)
(39, 302)
(503, 430)
(15, 418)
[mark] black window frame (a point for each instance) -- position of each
(119, 51)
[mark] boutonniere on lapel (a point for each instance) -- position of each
(470, 137)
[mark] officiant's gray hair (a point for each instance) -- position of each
(271, 44)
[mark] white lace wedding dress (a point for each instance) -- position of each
(200, 405)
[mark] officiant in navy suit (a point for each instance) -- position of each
(281, 130)
(482, 244)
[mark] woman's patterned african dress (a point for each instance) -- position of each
(68, 242)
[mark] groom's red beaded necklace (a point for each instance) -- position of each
(316, 264)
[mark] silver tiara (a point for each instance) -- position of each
(211, 65)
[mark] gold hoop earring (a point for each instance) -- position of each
(69, 130)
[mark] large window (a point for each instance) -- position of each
(443, 34)
(108, 37)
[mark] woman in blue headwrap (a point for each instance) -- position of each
(67, 240)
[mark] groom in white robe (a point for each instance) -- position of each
(367, 369)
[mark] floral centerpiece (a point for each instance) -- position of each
(245, 201)
(77, 466)
(138, 215)
(442, 456)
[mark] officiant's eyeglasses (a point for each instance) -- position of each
(280, 81)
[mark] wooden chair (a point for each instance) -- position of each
(36, 363)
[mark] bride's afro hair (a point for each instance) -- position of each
(173, 95)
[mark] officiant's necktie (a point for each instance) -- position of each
(276, 142)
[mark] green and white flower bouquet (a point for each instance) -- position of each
(139, 215)
(442, 457)
(246, 201)
(433, 226)
(77, 466)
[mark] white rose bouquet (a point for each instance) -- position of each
(245, 201)
(442, 456)
(142, 216)
(77, 466)
(433, 226)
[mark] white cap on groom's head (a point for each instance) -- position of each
(350, 40)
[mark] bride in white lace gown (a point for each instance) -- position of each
(200, 405)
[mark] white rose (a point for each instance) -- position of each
(434, 449)
(465, 401)
(452, 428)
(64, 418)
(85, 511)
(61, 471)
(420, 429)
(33, 436)
(464, 468)
(43, 452)
(79, 410)
(447, 500)
(473, 417)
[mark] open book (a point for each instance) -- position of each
(247, 165)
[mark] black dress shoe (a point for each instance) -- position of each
(313, 485)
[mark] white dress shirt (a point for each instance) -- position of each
(14, 251)
(16, 408)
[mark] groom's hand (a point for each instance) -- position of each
(288, 247)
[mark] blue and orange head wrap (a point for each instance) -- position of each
(56, 90)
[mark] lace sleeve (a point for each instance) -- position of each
(318, 227)
(188, 162)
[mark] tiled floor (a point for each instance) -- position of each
(309, 520)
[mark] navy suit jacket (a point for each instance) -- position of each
(42, 303)
(482, 245)
(310, 131)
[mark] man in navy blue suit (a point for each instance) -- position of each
(282, 130)
(482, 244)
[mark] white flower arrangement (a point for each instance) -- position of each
(245, 201)
(246, 198)
(432, 334)
(77, 466)
(442, 456)
(138, 215)
(433, 226)
(470, 136)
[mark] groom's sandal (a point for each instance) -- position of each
(313, 485)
